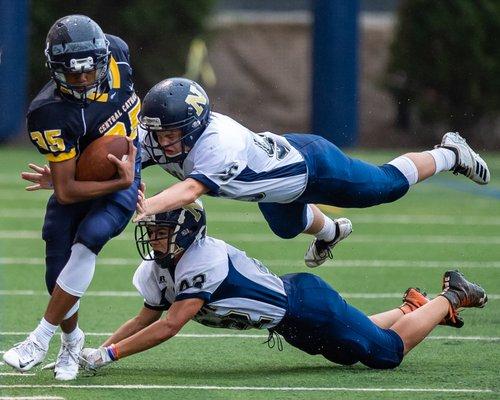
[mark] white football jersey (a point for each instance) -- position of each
(239, 292)
(236, 163)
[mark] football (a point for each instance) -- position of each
(93, 163)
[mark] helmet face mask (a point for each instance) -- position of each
(164, 237)
(174, 104)
(75, 45)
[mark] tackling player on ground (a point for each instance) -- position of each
(90, 95)
(194, 276)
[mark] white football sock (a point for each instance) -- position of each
(328, 232)
(75, 334)
(77, 274)
(407, 167)
(445, 159)
(310, 217)
(44, 332)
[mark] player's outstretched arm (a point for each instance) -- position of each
(158, 332)
(142, 320)
(176, 196)
(41, 177)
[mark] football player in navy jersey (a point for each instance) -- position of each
(90, 95)
(197, 277)
(212, 153)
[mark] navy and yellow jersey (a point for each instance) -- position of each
(61, 129)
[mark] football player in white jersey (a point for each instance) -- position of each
(194, 276)
(213, 154)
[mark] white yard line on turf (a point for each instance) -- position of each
(232, 217)
(133, 262)
(253, 388)
(262, 336)
(15, 374)
(31, 398)
(111, 293)
(266, 238)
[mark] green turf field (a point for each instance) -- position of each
(448, 222)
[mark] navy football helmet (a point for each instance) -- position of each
(175, 103)
(178, 228)
(76, 44)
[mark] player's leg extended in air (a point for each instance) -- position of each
(338, 180)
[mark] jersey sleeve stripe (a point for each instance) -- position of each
(61, 157)
(205, 296)
(211, 185)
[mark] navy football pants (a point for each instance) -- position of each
(333, 179)
(91, 223)
(320, 321)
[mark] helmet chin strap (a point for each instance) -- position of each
(167, 262)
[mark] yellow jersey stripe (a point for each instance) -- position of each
(115, 74)
(61, 157)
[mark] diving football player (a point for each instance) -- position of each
(212, 153)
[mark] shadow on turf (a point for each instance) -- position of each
(224, 373)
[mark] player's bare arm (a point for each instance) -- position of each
(142, 320)
(68, 190)
(158, 332)
(176, 196)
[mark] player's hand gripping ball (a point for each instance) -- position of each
(93, 163)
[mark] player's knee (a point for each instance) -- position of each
(285, 232)
(384, 363)
(93, 242)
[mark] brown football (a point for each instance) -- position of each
(93, 163)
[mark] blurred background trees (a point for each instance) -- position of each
(445, 62)
(439, 61)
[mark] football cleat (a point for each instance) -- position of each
(468, 162)
(66, 366)
(461, 293)
(414, 298)
(452, 319)
(25, 355)
(320, 250)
